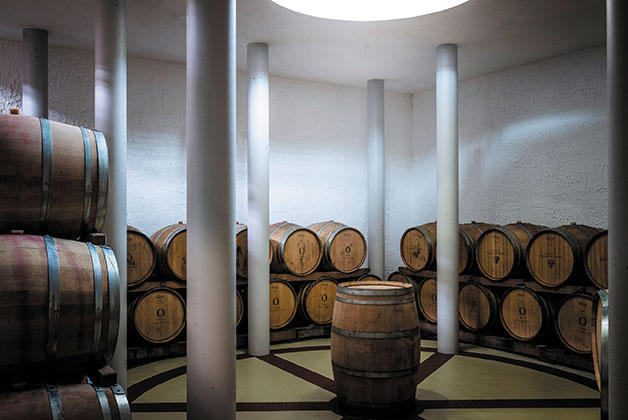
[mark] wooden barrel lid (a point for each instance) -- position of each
(239, 308)
(495, 254)
(478, 306)
(596, 260)
(159, 315)
(523, 313)
(242, 250)
(283, 303)
(141, 256)
(316, 300)
(418, 247)
(550, 258)
(347, 250)
(573, 323)
(427, 299)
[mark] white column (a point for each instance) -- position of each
(258, 149)
(35, 72)
(375, 169)
(617, 64)
(110, 118)
(447, 175)
(211, 100)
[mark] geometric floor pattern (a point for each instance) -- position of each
(296, 382)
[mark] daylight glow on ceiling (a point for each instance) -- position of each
(368, 10)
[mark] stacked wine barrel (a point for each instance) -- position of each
(525, 281)
(59, 298)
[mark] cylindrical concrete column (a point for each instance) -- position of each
(447, 179)
(617, 62)
(375, 170)
(110, 118)
(258, 149)
(211, 268)
(35, 72)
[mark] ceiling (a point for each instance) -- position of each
(492, 34)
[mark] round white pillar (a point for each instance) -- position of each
(211, 248)
(617, 67)
(447, 175)
(375, 170)
(35, 72)
(111, 119)
(258, 186)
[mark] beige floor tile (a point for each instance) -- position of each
(306, 343)
(318, 361)
(172, 391)
(140, 373)
(514, 414)
(468, 378)
(288, 415)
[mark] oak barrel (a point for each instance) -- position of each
(141, 256)
(524, 314)
(418, 247)
(573, 322)
(171, 246)
(500, 251)
(368, 276)
(596, 260)
(158, 316)
(239, 308)
(344, 247)
(398, 276)
(599, 346)
(53, 177)
(242, 251)
(70, 402)
(469, 235)
(478, 306)
(59, 306)
(316, 300)
(296, 250)
(556, 256)
(375, 345)
(283, 303)
(427, 299)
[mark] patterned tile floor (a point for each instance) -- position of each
(296, 382)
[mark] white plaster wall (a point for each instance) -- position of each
(532, 145)
(318, 142)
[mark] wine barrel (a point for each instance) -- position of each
(375, 346)
(239, 308)
(418, 247)
(158, 316)
(296, 250)
(398, 276)
(556, 256)
(500, 251)
(283, 303)
(344, 247)
(469, 235)
(59, 306)
(573, 322)
(427, 299)
(596, 260)
(72, 402)
(141, 256)
(242, 251)
(316, 300)
(53, 177)
(478, 306)
(599, 346)
(368, 276)
(525, 315)
(171, 246)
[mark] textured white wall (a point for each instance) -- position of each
(532, 145)
(318, 142)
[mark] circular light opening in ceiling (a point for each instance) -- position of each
(368, 10)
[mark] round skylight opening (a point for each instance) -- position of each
(368, 10)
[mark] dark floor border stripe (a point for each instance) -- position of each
(431, 364)
(298, 349)
(284, 406)
(513, 403)
(590, 383)
(301, 372)
(134, 391)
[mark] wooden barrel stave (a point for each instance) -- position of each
(52, 184)
(524, 314)
(316, 300)
(170, 243)
(296, 250)
(478, 306)
(141, 256)
(158, 315)
(344, 247)
(40, 340)
(283, 303)
(596, 260)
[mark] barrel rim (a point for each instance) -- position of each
(571, 241)
(558, 330)
(401, 290)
